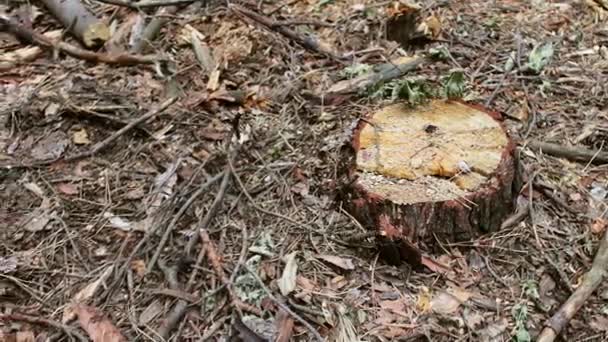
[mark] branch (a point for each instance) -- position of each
(30, 36)
(146, 4)
(307, 42)
(572, 153)
(81, 22)
(590, 283)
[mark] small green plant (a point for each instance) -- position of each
(540, 56)
(454, 85)
(520, 314)
(414, 91)
(355, 70)
(440, 53)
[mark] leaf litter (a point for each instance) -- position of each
(537, 63)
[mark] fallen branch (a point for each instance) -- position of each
(45, 321)
(214, 259)
(284, 307)
(153, 29)
(590, 283)
(11, 59)
(308, 42)
(146, 4)
(572, 153)
(384, 72)
(83, 24)
(32, 37)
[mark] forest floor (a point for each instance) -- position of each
(91, 230)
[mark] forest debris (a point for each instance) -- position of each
(382, 73)
(591, 281)
(97, 326)
(32, 37)
(50, 147)
(150, 312)
(11, 59)
(448, 302)
(85, 294)
(81, 137)
(79, 21)
(540, 56)
(284, 325)
(287, 282)
(67, 188)
(150, 32)
(572, 153)
(39, 218)
(308, 42)
(343, 263)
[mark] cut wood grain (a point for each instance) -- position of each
(445, 170)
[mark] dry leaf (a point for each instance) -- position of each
(599, 226)
(50, 147)
(434, 265)
(343, 263)
(305, 284)
(214, 80)
(396, 306)
(39, 218)
(447, 303)
(287, 282)
(150, 312)
(139, 266)
(284, 324)
(99, 328)
(67, 188)
(423, 303)
(25, 336)
(81, 137)
(85, 294)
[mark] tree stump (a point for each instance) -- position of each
(442, 171)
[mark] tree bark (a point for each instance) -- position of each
(83, 24)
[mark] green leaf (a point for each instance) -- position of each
(355, 70)
(522, 335)
(454, 86)
(540, 56)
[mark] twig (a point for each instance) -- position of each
(179, 310)
(41, 320)
(572, 153)
(214, 258)
(180, 213)
(308, 43)
(284, 307)
(590, 283)
(219, 197)
(146, 3)
(32, 37)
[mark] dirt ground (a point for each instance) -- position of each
(118, 231)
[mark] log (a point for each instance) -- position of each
(443, 171)
(83, 24)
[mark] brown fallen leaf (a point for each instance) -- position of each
(86, 293)
(343, 263)
(68, 188)
(81, 137)
(284, 327)
(434, 265)
(97, 326)
(25, 336)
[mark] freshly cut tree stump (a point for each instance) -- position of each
(442, 171)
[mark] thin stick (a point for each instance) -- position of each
(146, 4)
(103, 144)
(32, 37)
(180, 213)
(590, 283)
(212, 210)
(45, 321)
(308, 43)
(284, 307)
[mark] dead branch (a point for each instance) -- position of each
(590, 283)
(214, 258)
(308, 42)
(284, 307)
(153, 29)
(45, 321)
(105, 143)
(180, 213)
(11, 59)
(572, 153)
(146, 4)
(31, 37)
(79, 21)
(384, 72)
